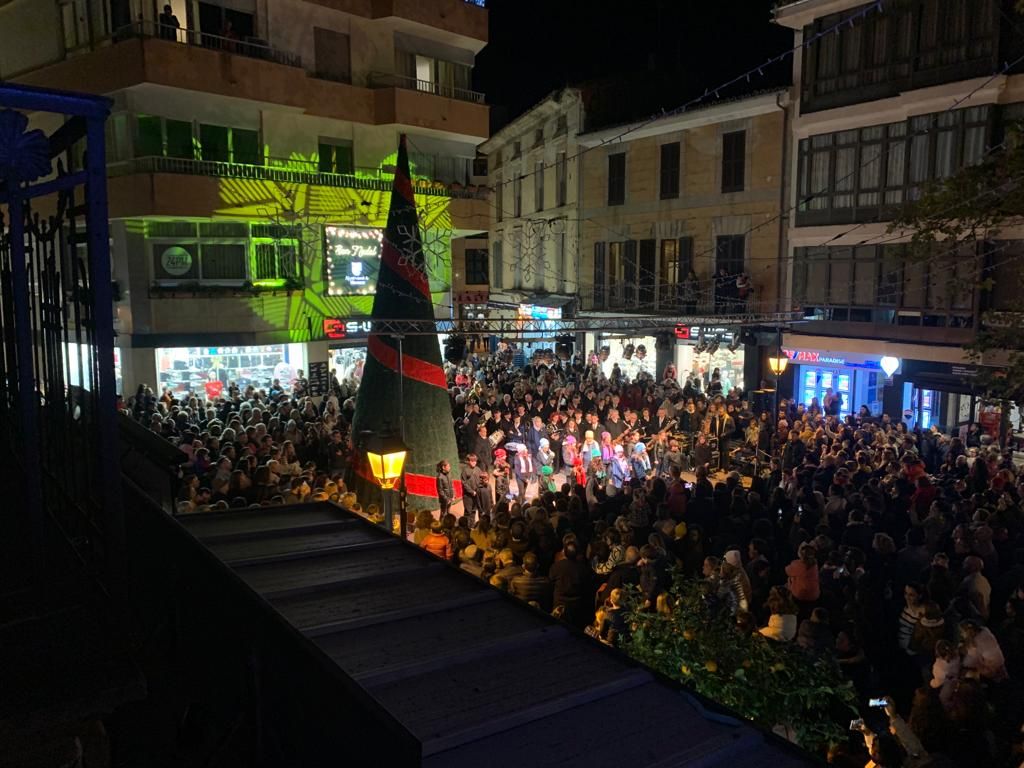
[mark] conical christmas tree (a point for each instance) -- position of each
(416, 404)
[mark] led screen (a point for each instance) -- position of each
(352, 257)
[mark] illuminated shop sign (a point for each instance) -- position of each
(339, 328)
(352, 255)
(818, 357)
(534, 312)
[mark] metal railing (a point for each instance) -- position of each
(388, 80)
(250, 47)
(285, 171)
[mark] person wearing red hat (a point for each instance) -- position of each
(501, 473)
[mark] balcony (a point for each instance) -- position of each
(251, 47)
(289, 172)
(249, 70)
(385, 80)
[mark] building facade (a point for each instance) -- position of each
(899, 98)
(250, 156)
(681, 215)
(533, 173)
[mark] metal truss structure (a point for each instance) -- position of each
(623, 324)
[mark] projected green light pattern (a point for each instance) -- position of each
(308, 208)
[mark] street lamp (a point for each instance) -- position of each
(385, 452)
(778, 365)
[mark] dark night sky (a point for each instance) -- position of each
(649, 54)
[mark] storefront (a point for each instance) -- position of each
(855, 378)
(947, 396)
(212, 369)
(704, 350)
(346, 339)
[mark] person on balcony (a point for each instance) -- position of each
(169, 25)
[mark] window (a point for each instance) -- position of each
(730, 253)
(498, 264)
(646, 274)
(179, 139)
(425, 73)
(275, 260)
(856, 175)
(668, 273)
(561, 261)
(908, 45)
(734, 160)
(630, 281)
(600, 275)
(75, 23)
(538, 137)
(499, 199)
(617, 178)
(245, 147)
(538, 186)
(867, 282)
(517, 196)
(335, 156)
(616, 275)
(332, 51)
(561, 179)
(476, 266)
(212, 252)
(149, 136)
(227, 145)
(517, 258)
(670, 171)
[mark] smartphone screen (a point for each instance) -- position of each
(876, 703)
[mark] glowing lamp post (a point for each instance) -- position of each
(386, 454)
(777, 365)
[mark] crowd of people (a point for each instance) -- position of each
(895, 553)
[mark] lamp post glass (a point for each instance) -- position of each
(386, 454)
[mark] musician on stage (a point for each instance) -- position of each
(480, 446)
(673, 457)
(613, 425)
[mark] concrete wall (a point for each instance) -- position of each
(30, 36)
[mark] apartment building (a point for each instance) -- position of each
(678, 212)
(250, 155)
(899, 97)
(533, 163)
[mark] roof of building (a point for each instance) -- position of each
(465, 671)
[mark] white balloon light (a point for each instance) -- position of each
(889, 365)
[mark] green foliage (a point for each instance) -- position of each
(772, 684)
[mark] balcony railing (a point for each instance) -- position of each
(289, 172)
(250, 47)
(386, 80)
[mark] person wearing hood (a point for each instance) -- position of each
(620, 470)
(640, 462)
